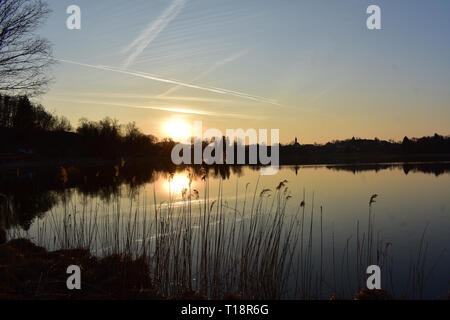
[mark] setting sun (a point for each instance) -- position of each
(177, 130)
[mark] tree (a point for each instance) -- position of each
(20, 114)
(24, 116)
(24, 56)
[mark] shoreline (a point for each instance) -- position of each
(332, 159)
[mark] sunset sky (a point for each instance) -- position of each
(309, 68)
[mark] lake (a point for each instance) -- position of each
(302, 233)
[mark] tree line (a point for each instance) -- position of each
(27, 125)
(428, 144)
(20, 114)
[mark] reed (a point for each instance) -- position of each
(258, 249)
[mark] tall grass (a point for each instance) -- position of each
(255, 248)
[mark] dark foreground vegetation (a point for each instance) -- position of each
(31, 272)
(28, 271)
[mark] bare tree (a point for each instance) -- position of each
(24, 56)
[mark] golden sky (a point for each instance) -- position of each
(310, 69)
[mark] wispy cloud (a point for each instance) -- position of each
(213, 68)
(148, 76)
(152, 31)
(134, 96)
(162, 108)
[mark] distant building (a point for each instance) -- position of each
(296, 144)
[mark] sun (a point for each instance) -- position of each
(177, 130)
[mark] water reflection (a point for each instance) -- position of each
(437, 168)
(177, 183)
(27, 195)
(411, 198)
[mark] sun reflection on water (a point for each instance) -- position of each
(176, 184)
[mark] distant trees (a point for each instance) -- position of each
(108, 138)
(24, 57)
(27, 125)
(431, 144)
(21, 115)
(100, 138)
(24, 123)
(135, 141)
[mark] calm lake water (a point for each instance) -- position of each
(410, 201)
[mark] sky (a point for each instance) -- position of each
(311, 69)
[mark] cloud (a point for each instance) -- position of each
(168, 109)
(152, 31)
(145, 96)
(148, 76)
(213, 68)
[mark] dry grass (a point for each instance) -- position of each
(255, 249)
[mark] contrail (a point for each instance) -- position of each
(152, 31)
(208, 71)
(176, 82)
(149, 97)
(176, 110)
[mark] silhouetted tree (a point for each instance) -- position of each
(21, 115)
(24, 115)
(24, 57)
